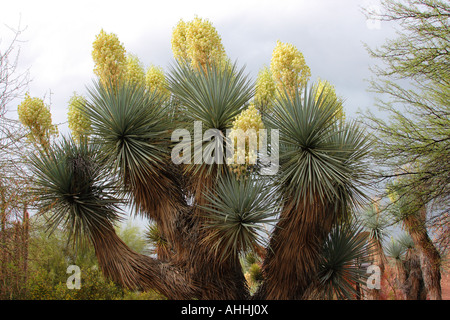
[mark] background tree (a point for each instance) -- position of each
(14, 178)
(376, 225)
(50, 255)
(414, 141)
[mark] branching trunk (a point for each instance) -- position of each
(430, 260)
(137, 271)
(414, 287)
(190, 273)
(290, 267)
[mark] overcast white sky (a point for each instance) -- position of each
(59, 35)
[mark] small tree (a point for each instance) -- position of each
(414, 142)
(14, 178)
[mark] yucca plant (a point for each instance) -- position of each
(376, 224)
(207, 217)
(239, 214)
(341, 273)
(320, 179)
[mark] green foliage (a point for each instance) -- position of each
(414, 89)
(50, 255)
(70, 183)
(132, 126)
(375, 223)
(133, 237)
(146, 295)
(238, 214)
(215, 96)
(344, 251)
(93, 287)
(319, 151)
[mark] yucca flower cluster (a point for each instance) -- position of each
(265, 90)
(79, 123)
(289, 68)
(156, 80)
(134, 70)
(36, 116)
(109, 57)
(327, 89)
(244, 159)
(198, 43)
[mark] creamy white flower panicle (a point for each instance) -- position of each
(249, 123)
(288, 67)
(134, 70)
(79, 123)
(198, 43)
(36, 116)
(109, 57)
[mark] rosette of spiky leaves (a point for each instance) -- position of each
(213, 96)
(71, 185)
(346, 249)
(238, 214)
(406, 240)
(157, 240)
(321, 156)
(395, 249)
(375, 223)
(130, 123)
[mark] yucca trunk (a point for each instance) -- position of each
(290, 267)
(401, 276)
(430, 260)
(136, 271)
(414, 287)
